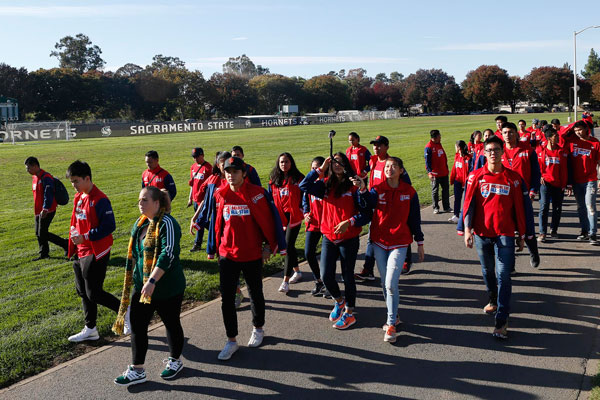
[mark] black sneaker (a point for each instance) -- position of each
(319, 286)
(554, 234)
(364, 275)
(583, 236)
(447, 210)
(195, 248)
(534, 260)
(593, 240)
(326, 294)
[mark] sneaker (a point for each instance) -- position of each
(447, 210)
(345, 322)
(297, 277)
(256, 338)
(127, 326)
(541, 238)
(534, 260)
(195, 248)
(490, 308)
(583, 236)
(85, 334)
(337, 311)
(318, 289)
(396, 324)
(554, 234)
(436, 210)
(131, 377)
(406, 268)
(390, 334)
(285, 287)
(453, 219)
(501, 332)
(172, 368)
(239, 297)
(228, 350)
(593, 240)
(365, 274)
(326, 294)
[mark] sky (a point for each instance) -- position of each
(308, 38)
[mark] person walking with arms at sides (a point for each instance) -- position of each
(199, 173)
(553, 165)
(248, 231)
(358, 155)
(458, 176)
(525, 136)
(312, 207)
(156, 176)
(90, 239)
(154, 270)
(493, 212)
(396, 220)
(284, 187)
(436, 164)
(44, 208)
(500, 119)
(475, 143)
(584, 159)
(342, 216)
(479, 159)
(251, 174)
(536, 133)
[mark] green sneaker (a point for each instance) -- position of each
(172, 368)
(131, 377)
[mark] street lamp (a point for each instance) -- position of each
(575, 67)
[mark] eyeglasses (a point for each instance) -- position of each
(495, 150)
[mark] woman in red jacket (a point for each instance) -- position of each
(458, 175)
(341, 218)
(287, 196)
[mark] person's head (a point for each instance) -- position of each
(218, 168)
(238, 152)
(461, 146)
(353, 139)
(487, 134)
(435, 135)
(338, 181)
(317, 162)
(394, 168)
(509, 133)
(543, 123)
(152, 159)
(555, 123)
(551, 135)
(500, 119)
(80, 175)
(493, 148)
(535, 123)
(476, 137)
(32, 165)
(381, 144)
(198, 155)
(152, 200)
(235, 172)
(285, 167)
(581, 129)
(522, 125)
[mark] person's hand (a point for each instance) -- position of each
(192, 227)
(78, 239)
(569, 191)
(431, 177)
(542, 181)
(325, 164)
(44, 214)
(190, 202)
(532, 195)
(468, 238)
(521, 244)
(358, 182)
(342, 227)
(307, 218)
(148, 289)
(421, 252)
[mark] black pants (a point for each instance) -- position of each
(89, 279)
(435, 190)
(310, 252)
(458, 197)
(291, 257)
(168, 310)
(229, 273)
(43, 236)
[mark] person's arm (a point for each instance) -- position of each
(106, 221)
(170, 186)
(414, 223)
(367, 161)
(253, 177)
(311, 185)
(428, 159)
(365, 212)
(536, 175)
(169, 235)
(48, 183)
(453, 172)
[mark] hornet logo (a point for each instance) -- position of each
(106, 131)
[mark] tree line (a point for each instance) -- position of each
(167, 90)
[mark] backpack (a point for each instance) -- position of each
(60, 192)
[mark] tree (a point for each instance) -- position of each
(433, 88)
(517, 92)
(488, 86)
(396, 77)
(593, 65)
(548, 85)
(128, 70)
(78, 53)
(381, 77)
(273, 90)
(595, 81)
(13, 83)
(193, 96)
(230, 94)
(325, 92)
(160, 62)
(243, 66)
(359, 84)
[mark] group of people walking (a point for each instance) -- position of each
(245, 224)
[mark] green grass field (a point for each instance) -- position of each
(39, 308)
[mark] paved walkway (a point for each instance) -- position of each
(445, 349)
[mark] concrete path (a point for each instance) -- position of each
(445, 349)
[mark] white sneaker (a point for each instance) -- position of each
(454, 219)
(85, 334)
(228, 350)
(127, 325)
(285, 287)
(297, 277)
(256, 338)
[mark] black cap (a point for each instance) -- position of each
(197, 152)
(234, 162)
(380, 140)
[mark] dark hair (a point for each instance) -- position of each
(472, 139)
(501, 118)
(509, 125)
(277, 176)
(581, 124)
(31, 161)
(79, 168)
(494, 139)
(336, 185)
(237, 148)
(152, 154)
(543, 123)
(489, 130)
(354, 135)
(462, 147)
(522, 120)
(434, 133)
(220, 155)
(160, 195)
(318, 159)
(549, 132)
(555, 121)
(397, 160)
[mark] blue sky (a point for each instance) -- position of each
(307, 38)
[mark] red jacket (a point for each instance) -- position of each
(198, 175)
(494, 203)
(553, 166)
(523, 160)
(214, 179)
(377, 176)
(288, 200)
(40, 184)
(397, 216)
(436, 161)
(359, 159)
(243, 222)
(460, 169)
(94, 219)
(525, 136)
(336, 210)
(161, 179)
(313, 206)
(583, 159)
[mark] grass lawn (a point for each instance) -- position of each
(39, 308)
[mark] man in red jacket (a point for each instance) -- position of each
(44, 208)
(157, 176)
(436, 164)
(199, 172)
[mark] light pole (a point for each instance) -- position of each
(575, 33)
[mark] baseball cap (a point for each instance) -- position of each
(535, 121)
(380, 140)
(197, 152)
(235, 163)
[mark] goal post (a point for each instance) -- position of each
(35, 131)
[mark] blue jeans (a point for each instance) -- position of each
(458, 195)
(369, 257)
(199, 232)
(389, 264)
(554, 194)
(585, 194)
(497, 257)
(346, 251)
(310, 252)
